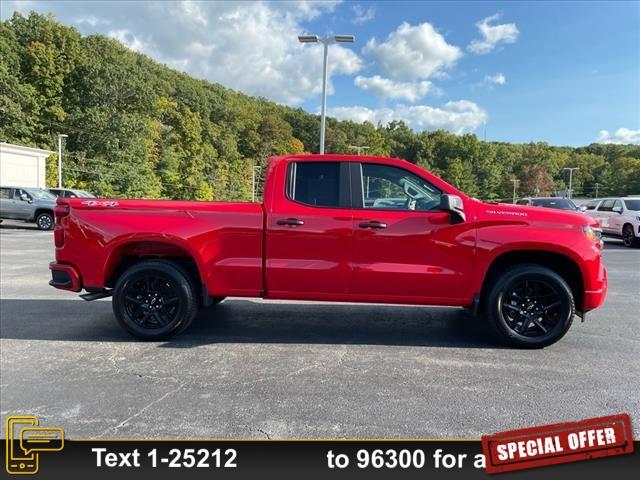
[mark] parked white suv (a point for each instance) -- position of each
(618, 217)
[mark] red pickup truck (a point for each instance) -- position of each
(334, 228)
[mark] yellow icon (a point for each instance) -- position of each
(25, 440)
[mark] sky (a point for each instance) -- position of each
(567, 73)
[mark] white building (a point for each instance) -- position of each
(22, 166)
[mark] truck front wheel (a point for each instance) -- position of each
(530, 306)
(154, 300)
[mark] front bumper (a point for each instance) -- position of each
(65, 277)
(595, 298)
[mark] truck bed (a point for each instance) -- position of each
(224, 238)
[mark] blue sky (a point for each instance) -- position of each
(567, 73)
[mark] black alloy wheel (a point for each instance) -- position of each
(150, 301)
(154, 300)
(529, 306)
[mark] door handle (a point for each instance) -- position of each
(373, 224)
(294, 222)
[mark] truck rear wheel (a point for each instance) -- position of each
(530, 306)
(154, 300)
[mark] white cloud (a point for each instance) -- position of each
(247, 46)
(414, 52)
(492, 35)
(362, 15)
(497, 79)
(457, 117)
(623, 135)
(387, 88)
(129, 40)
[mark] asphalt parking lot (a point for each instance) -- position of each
(254, 369)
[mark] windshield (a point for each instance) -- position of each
(558, 203)
(632, 204)
(40, 194)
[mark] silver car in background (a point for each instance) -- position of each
(28, 204)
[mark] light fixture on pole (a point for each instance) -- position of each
(326, 41)
(60, 137)
(571, 169)
(359, 148)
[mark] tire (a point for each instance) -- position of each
(530, 306)
(44, 221)
(628, 237)
(139, 295)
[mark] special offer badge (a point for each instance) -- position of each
(559, 443)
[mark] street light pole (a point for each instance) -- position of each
(326, 41)
(253, 183)
(515, 182)
(60, 137)
(325, 78)
(359, 148)
(571, 169)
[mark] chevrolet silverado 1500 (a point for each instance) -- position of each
(334, 228)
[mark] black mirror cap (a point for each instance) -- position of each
(454, 206)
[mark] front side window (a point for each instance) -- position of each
(391, 188)
(606, 206)
(315, 183)
(18, 192)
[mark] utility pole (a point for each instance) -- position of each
(359, 148)
(515, 183)
(571, 169)
(597, 185)
(60, 137)
(253, 182)
(326, 41)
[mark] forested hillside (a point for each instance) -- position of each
(137, 128)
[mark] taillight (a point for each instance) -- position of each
(61, 210)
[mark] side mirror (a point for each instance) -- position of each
(617, 209)
(453, 205)
(582, 208)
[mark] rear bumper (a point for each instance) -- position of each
(65, 277)
(595, 298)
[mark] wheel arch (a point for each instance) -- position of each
(560, 263)
(41, 210)
(128, 253)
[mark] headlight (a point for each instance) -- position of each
(593, 234)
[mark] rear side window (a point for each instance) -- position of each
(5, 193)
(315, 183)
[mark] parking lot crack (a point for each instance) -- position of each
(141, 411)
